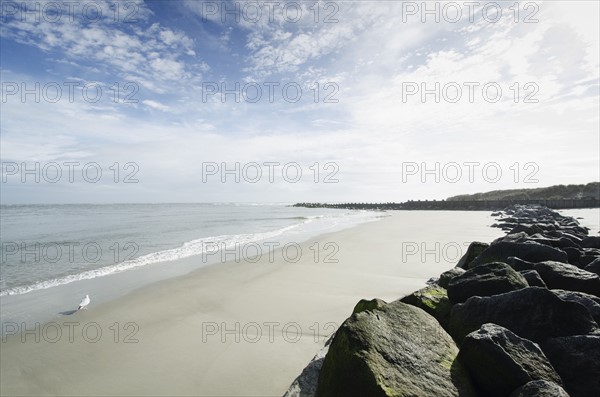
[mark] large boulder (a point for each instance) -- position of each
(527, 251)
(519, 264)
(533, 313)
(533, 278)
(433, 299)
(449, 275)
(540, 388)
(591, 242)
(594, 267)
(564, 242)
(591, 302)
(474, 250)
(573, 255)
(577, 361)
(500, 361)
(588, 256)
(398, 350)
(559, 275)
(485, 280)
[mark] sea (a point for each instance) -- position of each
(53, 255)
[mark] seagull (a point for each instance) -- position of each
(84, 302)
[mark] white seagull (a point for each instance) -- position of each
(84, 302)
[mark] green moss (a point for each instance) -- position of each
(433, 299)
(368, 305)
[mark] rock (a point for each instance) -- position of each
(500, 361)
(528, 229)
(433, 300)
(540, 388)
(485, 280)
(559, 275)
(564, 242)
(561, 234)
(573, 255)
(577, 361)
(305, 385)
(533, 313)
(399, 351)
(474, 250)
(373, 304)
(591, 242)
(449, 275)
(528, 251)
(533, 278)
(591, 302)
(512, 238)
(594, 267)
(588, 257)
(519, 264)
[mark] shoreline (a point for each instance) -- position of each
(239, 321)
(35, 305)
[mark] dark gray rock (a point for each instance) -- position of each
(485, 280)
(577, 361)
(433, 299)
(399, 351)
(540, 388)
(533, 278)
(500, 361)
(591, 242)
(564, 242)
(588, 257)
(475, 248)
(527, 228)
(591, 302)
(594, 267)
(528, 251)
(512, 238)
(559, 275)
(562, 234)
(573, 255)
(533, 313)
(449, 275)
(519, 264)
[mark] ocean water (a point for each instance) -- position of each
(51, 253)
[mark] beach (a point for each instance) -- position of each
(236, 329)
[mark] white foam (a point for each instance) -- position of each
(201, 246)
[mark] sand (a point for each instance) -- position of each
(235, 329)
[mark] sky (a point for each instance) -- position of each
(295, 101)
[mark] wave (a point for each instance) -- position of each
(186, 250)
(198, 247)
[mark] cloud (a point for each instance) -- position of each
(371, 53)
(138, 49)
(156, 105)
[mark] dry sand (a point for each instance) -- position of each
(235, 329)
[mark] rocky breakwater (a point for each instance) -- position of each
(515, 318)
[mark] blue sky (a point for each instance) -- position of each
(157, 68)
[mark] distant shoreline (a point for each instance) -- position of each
(459, 205)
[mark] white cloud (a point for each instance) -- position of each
(155, 105)
(370, 53)
(149, 53)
